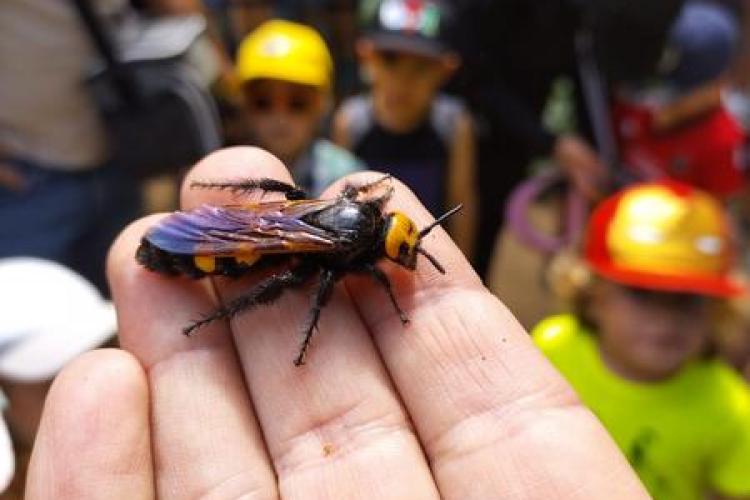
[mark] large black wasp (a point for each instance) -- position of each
(328, 238)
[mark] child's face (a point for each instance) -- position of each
(404, 84)
(283, 117)
(648, 335)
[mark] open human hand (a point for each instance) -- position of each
(458, 404)
(582, 165)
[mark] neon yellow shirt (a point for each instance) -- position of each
(683, 436)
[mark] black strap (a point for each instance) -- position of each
(122, 78)
(595, 93)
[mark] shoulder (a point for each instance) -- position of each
(719, 392)
(724, 130)
(354, 117)
(729, 399)
(331, 162)
(339, 158)
(356, 105)
(449, 107)
(556, 332)
(567, 345)
(730, 389)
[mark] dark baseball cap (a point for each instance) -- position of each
(416, 26)
(701, 45)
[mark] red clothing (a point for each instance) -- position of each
(706, 153)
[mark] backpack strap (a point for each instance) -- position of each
(444, 116)
(122, 78)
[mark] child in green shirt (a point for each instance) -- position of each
(658, 259)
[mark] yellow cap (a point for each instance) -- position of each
(283, 50)
(665, 236)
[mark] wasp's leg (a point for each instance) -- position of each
(265, 292)
(322, 296)
(351, 191)
(381, 278)
(247, 185)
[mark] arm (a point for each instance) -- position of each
(340, 128)
(462, 186)
(696, 103)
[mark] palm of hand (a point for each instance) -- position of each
(457, 405)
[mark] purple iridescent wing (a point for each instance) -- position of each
(262, 228)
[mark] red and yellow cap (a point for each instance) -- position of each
(664, 236)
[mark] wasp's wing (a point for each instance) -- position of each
(263, 228)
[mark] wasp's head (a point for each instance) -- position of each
(403, 241)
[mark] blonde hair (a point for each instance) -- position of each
(573, 282)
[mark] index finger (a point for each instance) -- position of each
(491, 413)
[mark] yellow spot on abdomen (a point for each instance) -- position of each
(205, 263)
(248, 259)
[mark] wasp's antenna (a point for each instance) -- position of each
(440, 219)
(432, 259)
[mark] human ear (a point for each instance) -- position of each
(451, 61)
(365, 49)
(595, 300)
(449, 64)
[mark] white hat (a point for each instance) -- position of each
(48, 316)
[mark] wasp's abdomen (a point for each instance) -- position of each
(192, 266)
(160, 261)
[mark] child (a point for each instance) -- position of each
(404, 126)
(678, 126)
(286, 73)
(658, 259)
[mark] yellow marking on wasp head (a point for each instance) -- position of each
(401, 238)
(205, 263)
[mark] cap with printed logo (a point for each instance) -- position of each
(420, 27)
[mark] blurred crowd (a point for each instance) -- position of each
(533, 115)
